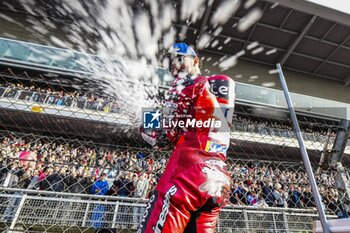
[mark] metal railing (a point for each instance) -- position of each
(82, 102)
(277, 132)
(28, 209)
(111, 106)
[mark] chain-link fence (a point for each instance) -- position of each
(71, 161)
(33, 211)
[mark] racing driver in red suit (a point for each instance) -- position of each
(195, 184)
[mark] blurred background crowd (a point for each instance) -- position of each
(276, 128)
(63, 97)
(127, 172)
(59, 97)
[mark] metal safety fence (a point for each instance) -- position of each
(80, 165)
(30, 211)
(65, 140)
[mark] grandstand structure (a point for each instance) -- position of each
(61, 130)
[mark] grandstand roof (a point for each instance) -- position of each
(309, 38)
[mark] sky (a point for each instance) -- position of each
(340, 5)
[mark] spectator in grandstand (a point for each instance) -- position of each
(36, 95)
(250, 126)
(308, 198)
(252, 197)
(267, 192)
(237, 194)
(261, 201)
(24, 180)
(122, 186)
(111, 172)
(141, 186)
(152, 183)
(100, 187)
(73, 182)
(119, 162)
(262, 128)
(44, 184)
(99, 104)
(3, 170)
(115, 107)
(34, 182)
(55, 180)
(295, 197)
(13, 174)
(132, 161)
(78, 161)
(140, 156)
(331, 199)
(87, 181)
(279, 196)
(90, 101)
(278, 129)
(59, 97)
(11, 91)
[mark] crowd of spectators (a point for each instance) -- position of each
(106, 104)
(262, 185)
(67, 167)
(128, 172)
(275, 128)
(59, 97)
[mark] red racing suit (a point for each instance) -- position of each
(195, 184)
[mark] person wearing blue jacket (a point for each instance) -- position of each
(100, 187)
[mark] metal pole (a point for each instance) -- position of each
(86, 214)
(304, 154)
(323, 155)
(115, 214)
(18, 211)
(246, 220)
(285, 220)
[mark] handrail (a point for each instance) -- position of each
(64, 194)
(97, 107)
(15, 93)
(139, 200)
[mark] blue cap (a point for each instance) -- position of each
(182, 49)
